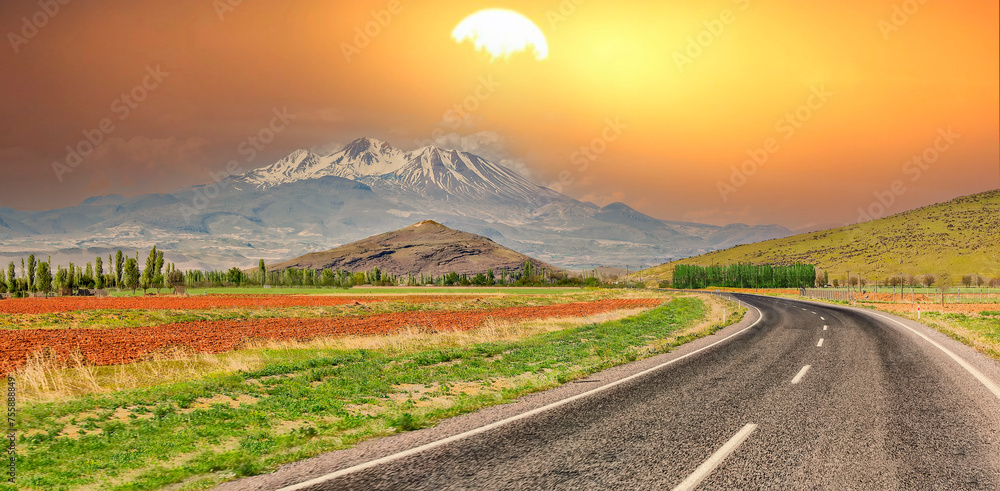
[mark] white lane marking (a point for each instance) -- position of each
(814, 313)
(824, 327)
(822, 318)
(820, 343)
(964, 364)
(802, 373)
(709, 465)
(497, 424)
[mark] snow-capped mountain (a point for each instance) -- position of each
(307, 202)
(427, 172)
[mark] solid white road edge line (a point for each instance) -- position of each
(820, 343)
(802, 373)
(964, 364)
(483, 429)
(709, 465)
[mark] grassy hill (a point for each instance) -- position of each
(955, 238)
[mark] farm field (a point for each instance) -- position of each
(77, 312)
(198, 403)
(201, 302)
(370, 290)
(115, 346)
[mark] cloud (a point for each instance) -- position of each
(327, 148)
(140, 150)
(142, 164)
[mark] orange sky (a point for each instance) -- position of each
(891, 81)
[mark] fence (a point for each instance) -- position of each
(906, 295)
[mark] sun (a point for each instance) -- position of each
(502, 33)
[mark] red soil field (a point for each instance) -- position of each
(128, 345)
(67, 304)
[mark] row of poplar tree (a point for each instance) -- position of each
(123, 273)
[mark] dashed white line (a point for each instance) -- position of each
(824, 327)
(814, 313)
(802, 373)
(820, 343)
(822, 318)
(709, 465)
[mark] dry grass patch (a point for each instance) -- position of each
(42, 379)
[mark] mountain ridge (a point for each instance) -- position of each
(304, 203)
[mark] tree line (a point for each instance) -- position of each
(125, 272)
(744, 276)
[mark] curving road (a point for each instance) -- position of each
(800, 395)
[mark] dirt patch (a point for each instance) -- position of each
(207, 402)
(364, 409)
(75, 432)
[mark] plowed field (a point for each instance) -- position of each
(127, 345)
(67, 304)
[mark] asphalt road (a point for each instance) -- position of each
(809, 396)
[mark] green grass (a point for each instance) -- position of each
(361, 290)
(957, 237)
(307, 402)
(981, 332)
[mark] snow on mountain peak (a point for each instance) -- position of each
(426, 171)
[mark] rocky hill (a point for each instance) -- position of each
(426, 247)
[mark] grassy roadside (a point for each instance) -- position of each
(296, 402)
(980, 331)
(118, 318)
